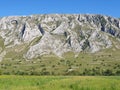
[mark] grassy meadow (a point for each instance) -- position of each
(106, 63)
(12, 82)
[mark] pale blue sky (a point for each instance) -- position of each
(28, 7)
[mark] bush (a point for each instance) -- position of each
(107, 72)
(118, 72)
(21, 73)
(6, 73)
(0, 72)
(45, 73)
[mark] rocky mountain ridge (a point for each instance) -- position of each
(58, 34)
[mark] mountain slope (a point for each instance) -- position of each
(46, 43)
(59, 34)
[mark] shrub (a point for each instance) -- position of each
(0, 72)
(118, 72)
(6, 73)
(53, 66)
(21, 73)
(45, 73)
(107, 72)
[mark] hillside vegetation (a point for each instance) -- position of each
(105, 62)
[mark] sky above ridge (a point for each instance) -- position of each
(28, 7)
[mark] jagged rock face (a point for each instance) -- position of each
(59, 33)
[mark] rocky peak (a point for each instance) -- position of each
(59, 33)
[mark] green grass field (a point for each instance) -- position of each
(59, 82)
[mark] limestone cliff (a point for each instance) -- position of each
(58, 33)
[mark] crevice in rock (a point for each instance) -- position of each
(118, 35)
(103, 28)
(20, 36)
(112, 32)
(109, 30)
(86, 44)
(23, 30)
(68, 40)
(65, 34)
(41, 29)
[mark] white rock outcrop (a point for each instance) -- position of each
(59, 33)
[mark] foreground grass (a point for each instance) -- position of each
(59, 83)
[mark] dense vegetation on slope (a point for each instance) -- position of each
(106, 62)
